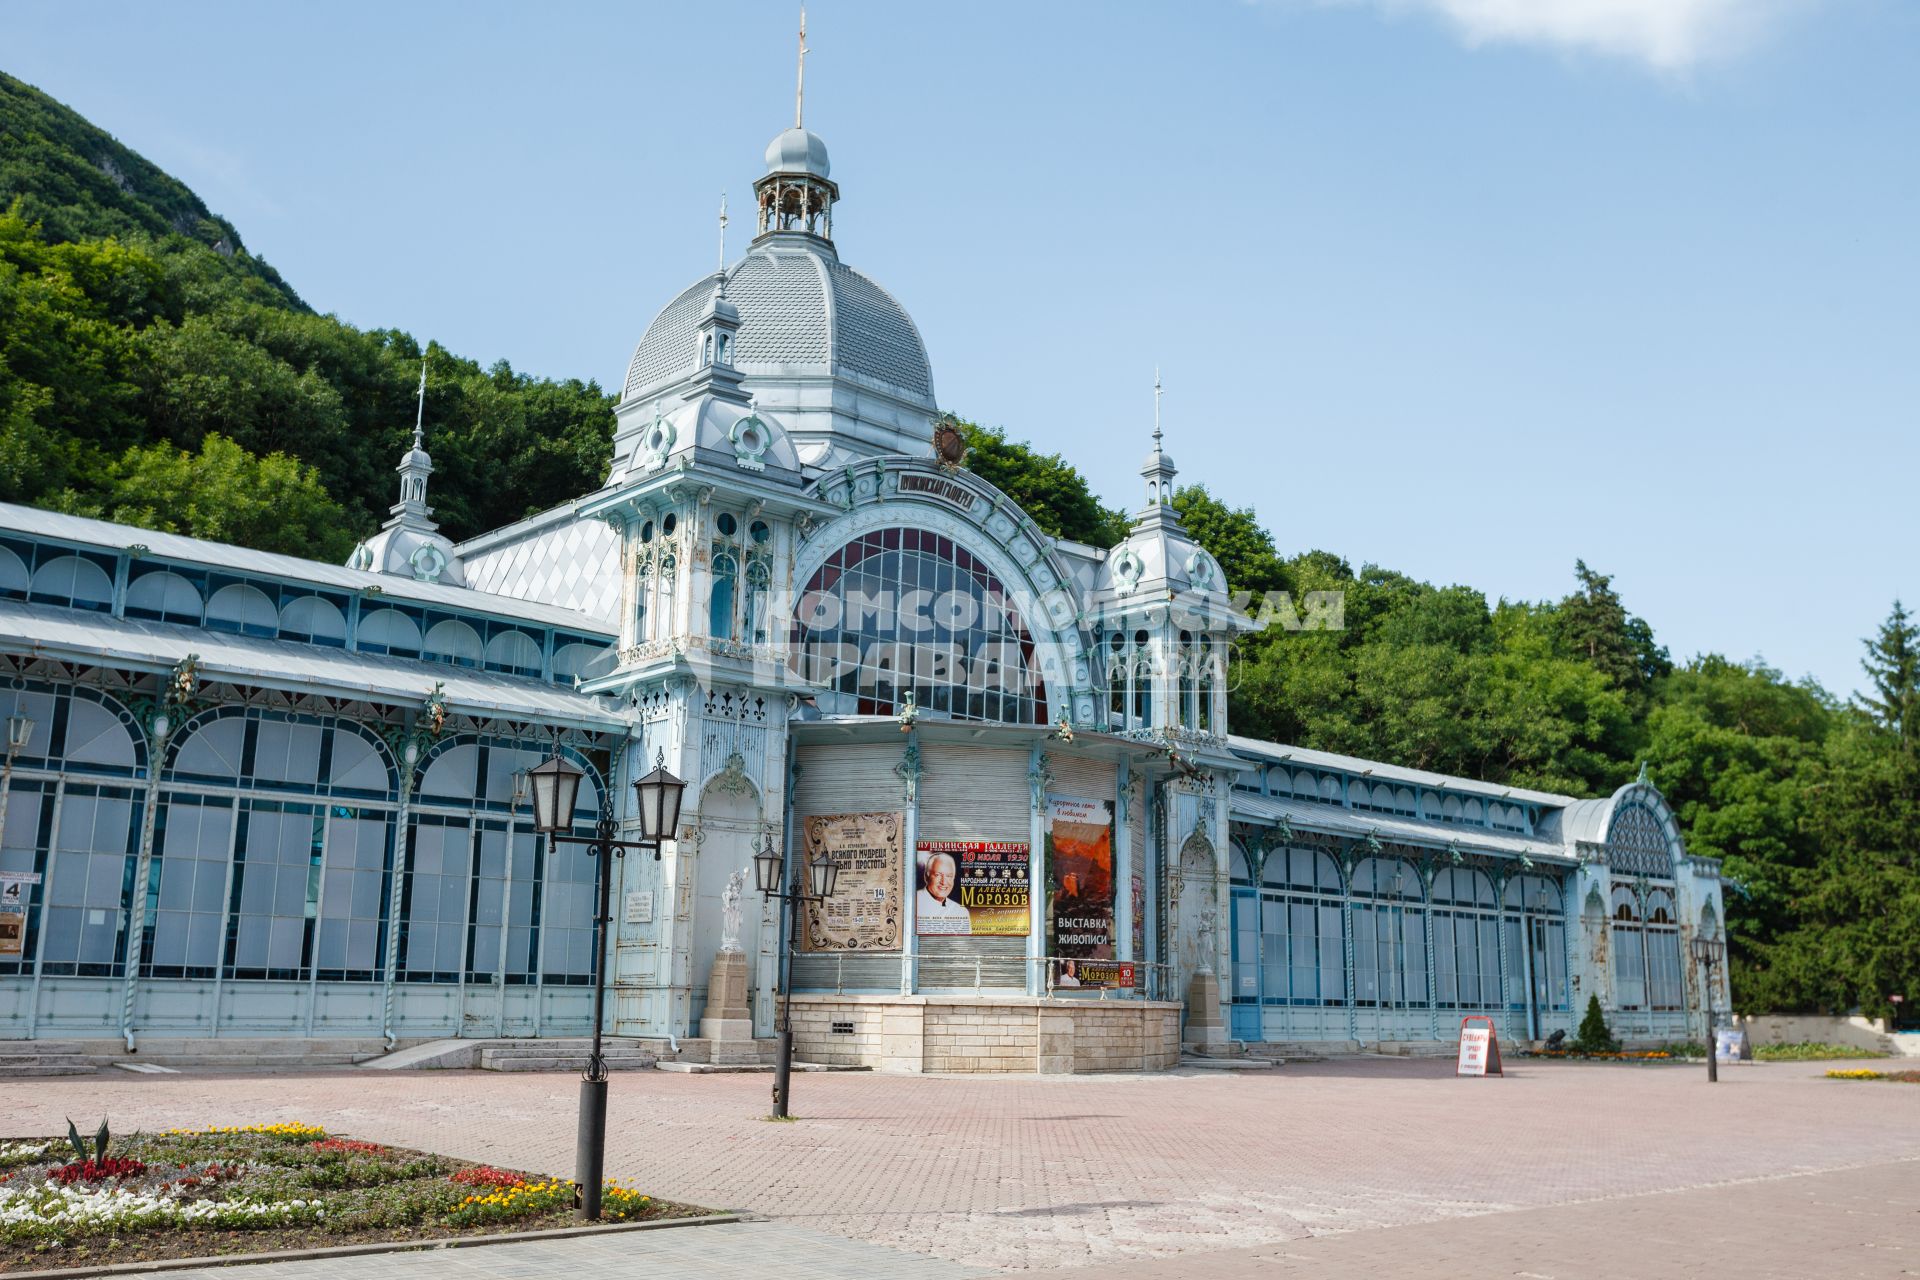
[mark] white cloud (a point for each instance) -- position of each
(1668, 35)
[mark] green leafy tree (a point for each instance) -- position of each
(1234, 537)
(224, 493)
(1045, 485)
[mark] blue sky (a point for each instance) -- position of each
(1467, 288)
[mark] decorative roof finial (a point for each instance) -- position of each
(800, 79)
(723, 238)
(420, 413)
(1157, 393)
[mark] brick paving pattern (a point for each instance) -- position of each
(1027, 1173)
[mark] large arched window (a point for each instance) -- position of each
(1535, 924)
(1389, 935)
(1302, 929)
(1466, 940)
(908, 610)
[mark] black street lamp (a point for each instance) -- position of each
(1709, 950)
(556, 786)
(823, 874)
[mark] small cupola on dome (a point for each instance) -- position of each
(796, 196)
(410, 543)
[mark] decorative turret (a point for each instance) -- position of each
(1163, 615)
(796, 195)
(410, 543)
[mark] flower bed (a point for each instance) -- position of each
(257, 1188)
(1615, 1055)
(1866, 1073)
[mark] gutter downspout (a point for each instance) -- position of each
(402, 822)
(158, 730)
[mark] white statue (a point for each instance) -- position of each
(730, 910)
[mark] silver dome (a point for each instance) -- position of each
(798, 151)
(802, 312)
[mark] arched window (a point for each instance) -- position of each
(513, 652)
(759, 600)
(903, 609)
(1537, 942)
(75, 581)
(314, 620)
(388, 631)
(164, 597)
(243, 608)
(1638, 844)
(1302, 929)
(1629, 944)
(1466, 940)
(453, 641)
(1141, 679)
(13, 575)
(1389, 935)
(720, 605)
(580, 661)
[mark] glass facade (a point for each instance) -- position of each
(907, 610)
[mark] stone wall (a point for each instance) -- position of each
(986, 1033)
(1861, 1033)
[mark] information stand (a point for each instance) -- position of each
(1479, 1049)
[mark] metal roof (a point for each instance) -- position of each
(801, 310)
(72, 635)
(1346, 822)
(107, 536)
(1374, 770)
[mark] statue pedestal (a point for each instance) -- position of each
(1205, 1031)
(727, 1023)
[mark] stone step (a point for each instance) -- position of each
(18, 1071)
(1230, 1064)
(493, 1060)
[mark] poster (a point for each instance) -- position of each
(15, 892)
(864, 912)
(1080, 864)
(972, 888)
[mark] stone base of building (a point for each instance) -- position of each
(1009, 1034)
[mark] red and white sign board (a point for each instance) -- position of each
(1479, 1049)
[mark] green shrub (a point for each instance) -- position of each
(1594, 1035)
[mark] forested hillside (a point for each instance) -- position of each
(154, 371)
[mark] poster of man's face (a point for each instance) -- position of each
(941, 870)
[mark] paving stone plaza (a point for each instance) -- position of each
(1362, 1167)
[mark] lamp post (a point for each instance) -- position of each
(555, 786)
(823, 874)
(1709, 950)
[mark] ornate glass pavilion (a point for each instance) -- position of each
(260, 796)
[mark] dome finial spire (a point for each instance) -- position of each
(420, 412)
(1157, 393)
(723, 239)
(800, 77)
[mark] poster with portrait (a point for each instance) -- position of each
(972, 888)
(1080, 865)
(864, 912)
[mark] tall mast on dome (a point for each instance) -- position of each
(800, 77)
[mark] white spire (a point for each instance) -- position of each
(800, 78)
(420, 413)
(723, 236)
(1157, 393)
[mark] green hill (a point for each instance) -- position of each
(152, 370)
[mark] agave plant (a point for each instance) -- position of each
(80, 1152)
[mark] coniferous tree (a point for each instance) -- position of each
(1893, 664)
